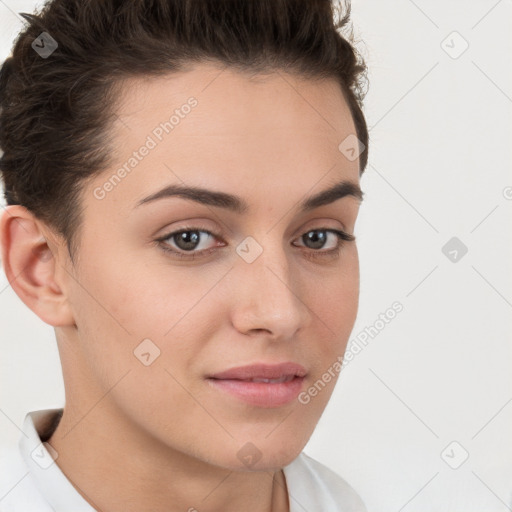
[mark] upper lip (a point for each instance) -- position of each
(262, 371)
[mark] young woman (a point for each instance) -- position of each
(183, 180)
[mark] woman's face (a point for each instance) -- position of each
(253, 280)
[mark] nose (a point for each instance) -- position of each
(267, 296)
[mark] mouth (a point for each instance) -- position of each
(284, 378)
(261, 385)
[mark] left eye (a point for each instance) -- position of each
(191, 241)
(318, 237)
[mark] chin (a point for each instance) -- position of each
(258, 455)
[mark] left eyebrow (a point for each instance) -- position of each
(238, 205)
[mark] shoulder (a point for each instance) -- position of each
(312, 484)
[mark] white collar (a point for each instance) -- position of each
(49, 479)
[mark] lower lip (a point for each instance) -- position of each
(261, 394)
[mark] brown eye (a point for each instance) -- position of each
(187, 240)
(193, 241)
(316, 239)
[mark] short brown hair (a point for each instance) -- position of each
(55, 112)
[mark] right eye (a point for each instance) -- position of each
(186, 241)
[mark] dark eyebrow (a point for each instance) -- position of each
(240, 206)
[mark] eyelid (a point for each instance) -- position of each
(186, 229)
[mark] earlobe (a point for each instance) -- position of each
(32, 266)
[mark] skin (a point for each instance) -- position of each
(136, 437)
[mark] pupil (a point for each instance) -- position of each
(187, 240)
(318, 240)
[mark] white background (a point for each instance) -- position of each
(440, 158)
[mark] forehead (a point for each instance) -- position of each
(221, 128)
(218, 88)
(227, 100)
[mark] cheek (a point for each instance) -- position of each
(335, 305)
(121, 304)
(136, 340)
(140, 297)
(338, 295)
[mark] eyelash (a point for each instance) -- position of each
(313, 253)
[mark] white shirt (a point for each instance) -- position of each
(31, 481)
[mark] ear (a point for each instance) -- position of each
(33, 265)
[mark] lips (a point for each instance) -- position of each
(261, 385)
(263, 372)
